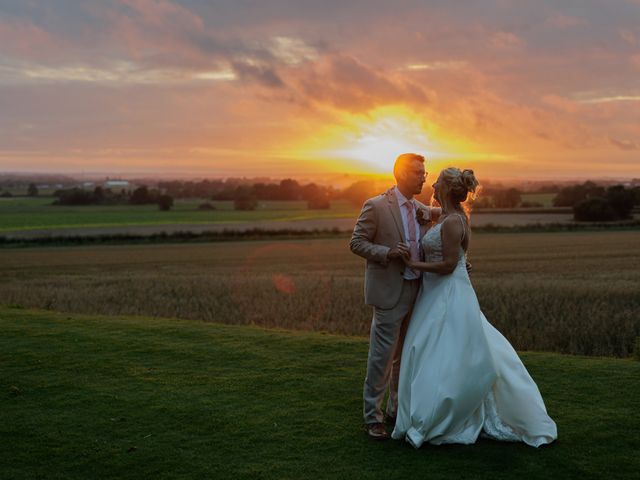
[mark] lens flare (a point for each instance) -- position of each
(284, 283)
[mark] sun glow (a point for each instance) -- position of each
(371, 142)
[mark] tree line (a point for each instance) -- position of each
(105, 196)
(590, 201)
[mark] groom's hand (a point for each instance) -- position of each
(469, 267)
(400, 251)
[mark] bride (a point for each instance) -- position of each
(459, 377)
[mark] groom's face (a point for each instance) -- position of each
(414, 176)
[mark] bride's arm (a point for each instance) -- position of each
(428, 213)
(452, 232)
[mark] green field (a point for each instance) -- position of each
(136, 398)
(22, 213)
(545, 199)
(563, 292)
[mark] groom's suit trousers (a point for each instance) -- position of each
(388, 328)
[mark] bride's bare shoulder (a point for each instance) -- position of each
(453, 226)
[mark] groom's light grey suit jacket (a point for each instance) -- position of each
(378, 229)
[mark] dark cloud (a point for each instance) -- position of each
(349, 84)
(262, 74)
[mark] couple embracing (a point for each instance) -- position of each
(450, 374)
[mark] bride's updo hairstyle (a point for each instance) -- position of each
(460, 185)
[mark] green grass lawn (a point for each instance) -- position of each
(136, 397)
(22, 213)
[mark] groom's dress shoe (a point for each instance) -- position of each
(376, 431)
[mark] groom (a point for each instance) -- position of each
(388, 230)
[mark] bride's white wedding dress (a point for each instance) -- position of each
(459, 377)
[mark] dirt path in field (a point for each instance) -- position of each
(343, 224)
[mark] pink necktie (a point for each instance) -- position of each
(413, 237)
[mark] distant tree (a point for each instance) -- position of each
(165, 202)
(226, 191)
(260, 191)
(106, 196)
(310, 191)
(290, 190)
(6, 194)
(621, 200)
(317, 197)
(245, 199)
(636, 195)
(264, 191)
(99, 194)
(509, 198)
(481, 202)
(32, 190)
(142, 196)
(595, 209)
(74, 196)
(359, 191)
(173, 188)
(570, 196)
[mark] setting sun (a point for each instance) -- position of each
(370, 142)
(377, 139)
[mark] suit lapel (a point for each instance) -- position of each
(392, 201)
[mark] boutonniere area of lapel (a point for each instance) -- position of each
(421, 216)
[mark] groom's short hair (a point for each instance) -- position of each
(404, 160)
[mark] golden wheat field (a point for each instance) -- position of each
(567, 292)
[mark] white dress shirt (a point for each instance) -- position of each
(404, 213)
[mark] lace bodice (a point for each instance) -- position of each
(432, 245)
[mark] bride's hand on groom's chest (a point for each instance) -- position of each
(422, 216)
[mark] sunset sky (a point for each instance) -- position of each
(514, 89)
